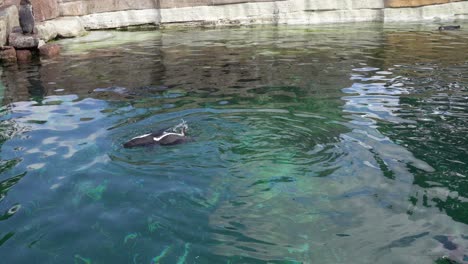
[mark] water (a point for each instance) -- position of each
(317, 144)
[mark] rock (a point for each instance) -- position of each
(46, 31)
(10, 15)
(41, 43)
(3, 35)
(49, 50)
(63, 27)
(8, 54)
(21, 41)
(23, 55)
(9, 18)
(45, 9)
(68, 27)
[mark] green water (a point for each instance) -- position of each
(313, 144)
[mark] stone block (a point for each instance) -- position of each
(8, 54)
(20, 41)
(45, 9)
(49, 50)
(23, 55)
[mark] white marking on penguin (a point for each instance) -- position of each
(142, 136)
(157, 139)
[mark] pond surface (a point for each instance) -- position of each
(314, 144)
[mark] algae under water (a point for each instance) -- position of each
(313, 144)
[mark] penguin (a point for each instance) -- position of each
(26, 17)
(441, 28)
(164, 137)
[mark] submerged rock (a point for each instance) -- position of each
(23, 55)
(49, 50)
(8, 54)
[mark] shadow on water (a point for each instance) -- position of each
(326, 144)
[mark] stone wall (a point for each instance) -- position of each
(67, 18)
(46, 9)
(86, 7)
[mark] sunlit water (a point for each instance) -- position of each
(317, 144)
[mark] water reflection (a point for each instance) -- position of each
(327, 144)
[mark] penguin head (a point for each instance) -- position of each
(182, 127)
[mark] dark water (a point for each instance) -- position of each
(318, 144)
